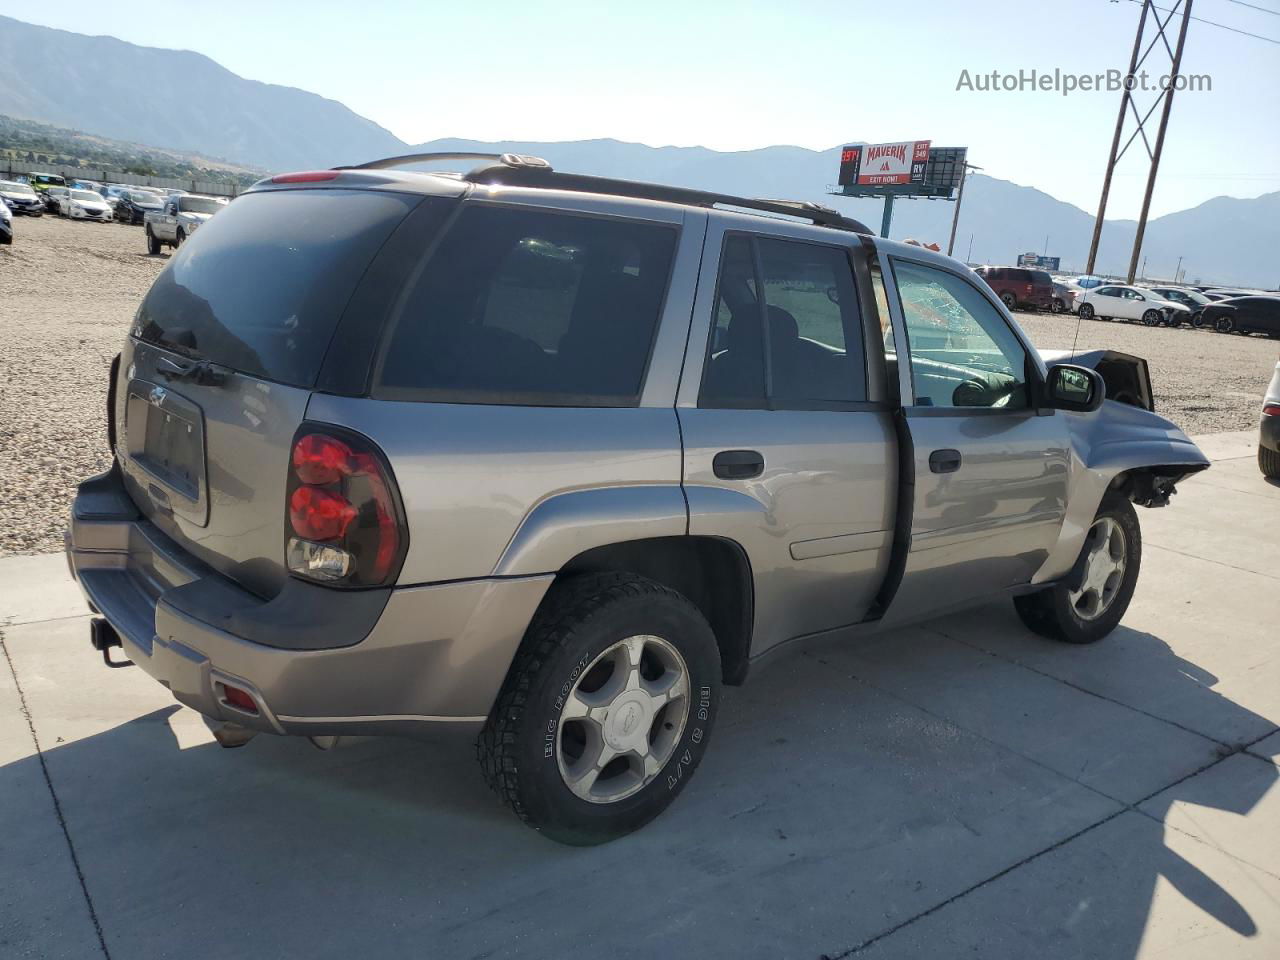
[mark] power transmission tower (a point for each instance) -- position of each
(1127, 105)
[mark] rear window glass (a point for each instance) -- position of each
(531, 307)
(261, 286)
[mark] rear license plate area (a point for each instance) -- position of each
(164, 440)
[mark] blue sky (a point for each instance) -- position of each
(738, 75)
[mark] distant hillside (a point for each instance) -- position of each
(191, 104)
(180, 99)
(1224, 240)
(32, 142)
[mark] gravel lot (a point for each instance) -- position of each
(68, 291)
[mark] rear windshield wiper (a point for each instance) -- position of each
(204, 372)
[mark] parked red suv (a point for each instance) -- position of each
(1019, 287)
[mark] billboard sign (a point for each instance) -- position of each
(882, 164)
(1035, 260)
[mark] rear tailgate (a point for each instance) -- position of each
(217, 372)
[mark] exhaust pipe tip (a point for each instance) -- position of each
(232, 735)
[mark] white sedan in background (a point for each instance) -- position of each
(1114, 301)
(86, 205)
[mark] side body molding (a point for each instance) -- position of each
(562, 526)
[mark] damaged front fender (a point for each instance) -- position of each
(1121, 448)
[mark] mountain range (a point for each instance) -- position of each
(186, 101)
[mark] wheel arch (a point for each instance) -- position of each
(713, 573)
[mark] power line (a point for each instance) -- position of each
(1214, 23)
(1253, 6)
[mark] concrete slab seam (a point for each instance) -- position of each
(57, 805)
(1035, 856)
(1077, 687)
(1193, 556)
(1003, 747)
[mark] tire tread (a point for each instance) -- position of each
(552, 628)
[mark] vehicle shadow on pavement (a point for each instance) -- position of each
(909, 794)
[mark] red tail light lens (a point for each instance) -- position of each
(345, 523)
(1271, 410)
(320, 514)
(318, 458)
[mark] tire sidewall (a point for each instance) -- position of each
(551, 805)
(1077, 630)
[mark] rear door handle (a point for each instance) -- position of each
(737, 464)
(944, 461)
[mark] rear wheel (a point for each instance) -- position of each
(1225, 325)
(1269, 463)
(153, 245)
(606, 711)
(1086, 311)
(1110, 560)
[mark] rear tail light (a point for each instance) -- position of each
(1271, 410)
(345, 524)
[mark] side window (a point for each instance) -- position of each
(530, 307)
(815, 332)
(787, 330)
(963, 354)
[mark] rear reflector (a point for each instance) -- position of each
(307, 176)
(238, 698)
(1271, 410)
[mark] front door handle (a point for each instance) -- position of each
(738, 464)
(944, 461)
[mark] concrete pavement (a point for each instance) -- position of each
(957, 788)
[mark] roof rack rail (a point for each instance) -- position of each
(519, 170)
(503, 161)
(530, 176)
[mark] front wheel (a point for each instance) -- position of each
(1090, 601)
(1151, 318)
(1086, 311)
(1010, 301)
(153, 245)
(177, 242)
(606, 711)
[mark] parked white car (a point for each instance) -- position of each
(86, 205)
(6, 225)
(1115, 301)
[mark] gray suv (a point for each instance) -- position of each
(548, 459)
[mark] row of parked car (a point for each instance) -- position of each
(169, 215)
(1097, 298)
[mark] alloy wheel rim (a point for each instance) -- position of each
(622, 720)
(1104, 569)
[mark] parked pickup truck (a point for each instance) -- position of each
(548, 459)
(178, 219)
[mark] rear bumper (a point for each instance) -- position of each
(430, 658)
(1269, 433)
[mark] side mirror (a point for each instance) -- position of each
(1069, 387)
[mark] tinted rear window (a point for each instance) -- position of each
(531, 307)
(261, 286)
